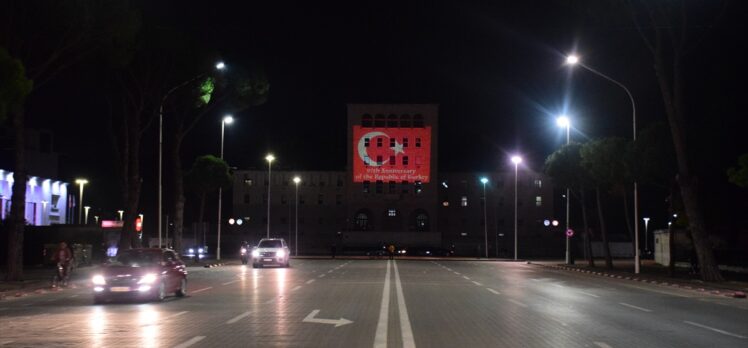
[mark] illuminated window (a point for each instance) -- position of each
(538, 183)
(422, 222)
(405, 160)
(418, 142)
(362, 221)
(391, 212)
(538, 201)
(463, 201)
(379, 142)
(248, 182)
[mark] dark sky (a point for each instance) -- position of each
(494, 68)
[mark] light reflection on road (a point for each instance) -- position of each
(148, 318)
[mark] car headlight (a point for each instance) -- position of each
(200, 250)
(147, 279)
(244, 250)
(192, 251)
(281, 253)
(98, 280)
(255, 253)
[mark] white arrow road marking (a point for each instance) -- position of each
(713, 329)
(190, 342)
(311, 319)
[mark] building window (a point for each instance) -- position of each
(248, 182)
(301, 199)
(393, 142)
(391, 212)
(320, 199)
(463, 201)
(362, 221)
(366, 142)
(393, 186)
(366, 186)
(392, 161)
(405, 186)
(538, 201)
(405, 121)
(418, 187)
(379, 160)
(392, 120)
(338, 199)
(405, 160)
(340, 182)
(405, 142)
(366, 120)
(418, 142)
(379, 120)
(379, 142)
(283, 199)
(417, 120)
(538, 183)
(422, 222)
(380, 184)
(246, 199)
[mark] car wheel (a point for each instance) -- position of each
(182, 291)
(255, 265)
(161, 292)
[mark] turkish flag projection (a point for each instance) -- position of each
(391, 154)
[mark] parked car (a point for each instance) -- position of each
(141, 274)
(271, 251)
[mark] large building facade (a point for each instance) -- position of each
(392, 192)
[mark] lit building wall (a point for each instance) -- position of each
(46, 199)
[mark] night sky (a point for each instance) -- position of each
(494, 69)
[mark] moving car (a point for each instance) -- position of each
(270, 251)
(142, 274)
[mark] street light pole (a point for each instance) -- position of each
(85, 219)
(516, 160)
(219, 66)
(296, 181)
(485, 219)
(563, 121)
(574, 60)
(81, 183)
(226, 120)
(646, 234)
(270, 159)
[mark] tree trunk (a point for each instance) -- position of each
(603, 230)
(628, 219)
(177, 191)
(17, 222)
(586, 233)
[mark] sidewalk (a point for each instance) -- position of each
(650, 272)
(39, 279)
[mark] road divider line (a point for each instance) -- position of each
(322, 275)
(493, 291)
(714, 329)
(190, 342)
(602, 344)
(238, 317)
(517, 303)
(466, 277)
(61, 327)
(296, 288)
(476, 283)
(330, 271)
(558, 285)
(2, 343)
(231, 282)
(380, 339)
(589, 294)
(74, 296)
(406, 331)
(176, 315)
(310, 281)
(201, 290)
(634, 307)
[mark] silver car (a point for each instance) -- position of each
(271, 251)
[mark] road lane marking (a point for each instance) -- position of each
(713, 329)
(588, 294)
(466, 277)
(2, 343)
(602, 344)
(176, 315)
(200, 290)
(476, 283)
(310, 281)
(458, 273)
(190, 342)
(296, 288)
(634, 307)
(517, 303)
(558, 285)
(238, 317)
(61, 327)
(74, 296)
(380, 339)
(231, 282)
(405, 329)
(330, 271)
(322, 275)
(493, 291)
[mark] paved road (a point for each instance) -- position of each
(380, 303)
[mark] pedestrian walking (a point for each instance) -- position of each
(391, 251)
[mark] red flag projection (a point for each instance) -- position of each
(391, 154)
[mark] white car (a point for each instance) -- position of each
(271, 251)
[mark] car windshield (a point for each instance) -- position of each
(270, 244)
(138, 258)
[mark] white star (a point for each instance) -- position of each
(398, 148)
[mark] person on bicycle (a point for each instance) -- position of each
(64, 258)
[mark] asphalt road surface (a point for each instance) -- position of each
(381, 303)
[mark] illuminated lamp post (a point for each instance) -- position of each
(228, 119)
(484, 181)
(297, 180)
(516, 160)
(81, 183)
(564, 122)
(270, 158)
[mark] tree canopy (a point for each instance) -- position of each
(739, 175)
(15, 86)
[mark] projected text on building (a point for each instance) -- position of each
(391, 154)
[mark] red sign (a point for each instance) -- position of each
(138, 225)
(391, 154)
(111, 224)
(569, 232)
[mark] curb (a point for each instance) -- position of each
(716, 292)
(211, 265)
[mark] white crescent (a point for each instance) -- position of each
(362, 149)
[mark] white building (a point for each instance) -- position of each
(47, 200)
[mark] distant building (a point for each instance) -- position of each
(392, 192)
(47, 200)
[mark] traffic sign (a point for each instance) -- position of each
(569, 232)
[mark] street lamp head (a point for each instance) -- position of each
(563, 121)
(296, 180)
(228, 119)
(484, 180)
(270, 158)
(81, 181)
(220, 66)
(572, 59)
(87, 207)
(646, 219)
(516, 160)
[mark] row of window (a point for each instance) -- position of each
(392, 187)
(392, 121)
(393, 142)
(288, 181)
(302, 201)
(393, 160)
(464, 202)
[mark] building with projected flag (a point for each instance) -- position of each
(393, 192)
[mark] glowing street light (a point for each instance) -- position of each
(120, 212)
(484, 181)
(572, 59)
(646, 235)
(81, 183)
(516, 160)
(270, 158)
(296, 180)
(220, 66)
(85, 219)
(228, 119)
